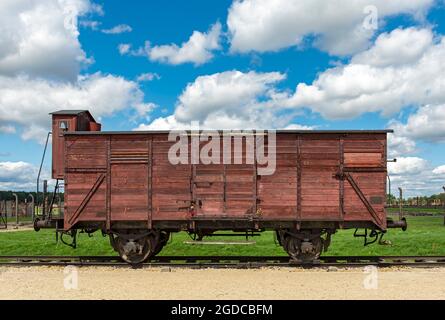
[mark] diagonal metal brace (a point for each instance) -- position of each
(362, 197)
(87, 198)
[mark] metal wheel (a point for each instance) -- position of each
(163, 239)
(134, 248)
(302, 249)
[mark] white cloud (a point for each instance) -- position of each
(227, 100)
(143, 110)
(427, 123)
(27, 102)
(148, 77)
(7, 129)
(231, 91)
(401, 46)
(91, 24)
(296, 126)
(370, 85)
(40, 38)
(407, 165)
(416, 176)
(338, 26)
(121, 28)
(400, 145)
(19, 175)
(439, 170)
(40, 61)
(124, 48)
(197, 50)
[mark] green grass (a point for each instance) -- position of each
(417, 210)
(425, 236)
(11, 220)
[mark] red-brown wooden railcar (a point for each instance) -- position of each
(124, 184)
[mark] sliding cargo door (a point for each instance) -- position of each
(129, 168)
(277, 192)
(227, 188)
(319, 189)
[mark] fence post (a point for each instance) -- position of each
(443, 206)
(33, 206)
(400, 203)
(45, 190)
(16, 210)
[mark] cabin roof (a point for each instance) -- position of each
(73, 113)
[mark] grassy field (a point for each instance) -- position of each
(425, 236)
(417, 210)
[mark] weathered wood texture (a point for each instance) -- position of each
(310, 182)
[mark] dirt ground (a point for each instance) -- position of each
(269, 283)
(20, 228)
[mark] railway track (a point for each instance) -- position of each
(227, 262)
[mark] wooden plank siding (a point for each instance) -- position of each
(142, 185)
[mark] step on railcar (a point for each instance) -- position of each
(125, 184)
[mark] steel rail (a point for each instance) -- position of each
(227, 261)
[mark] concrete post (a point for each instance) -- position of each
(400, 203)
(443, 206)
(33, 206)
(16, 210)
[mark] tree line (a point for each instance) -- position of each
(23, 195)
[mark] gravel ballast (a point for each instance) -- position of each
(180, 283)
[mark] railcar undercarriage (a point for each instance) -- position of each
(137, 244)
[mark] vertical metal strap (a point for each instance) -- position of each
(66, 213)
(224, 188)
(108, 201)
(255, 173)
(341, 181)
(299, 177)
(385, 165)
(150, 182)
(193, 187)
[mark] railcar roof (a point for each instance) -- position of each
(188, 131)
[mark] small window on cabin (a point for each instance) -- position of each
(63, 126)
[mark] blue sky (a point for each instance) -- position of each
(326, 72)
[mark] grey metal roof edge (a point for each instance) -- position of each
(188, 131)
(73, 112)
(68, 111)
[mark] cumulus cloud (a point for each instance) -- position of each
(124, 48)
(149, 76)
(407, 165)
(227, 100)
(416, 176)
(427, 123)
(339, 27)
(121, 28)
(40, 38)
(370, 84)
(40, 61)
(197, 50)
(19, 175)
(400, 47)
(439, 170)
(399, 145)
(27, 102)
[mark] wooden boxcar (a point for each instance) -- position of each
(124, 184)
